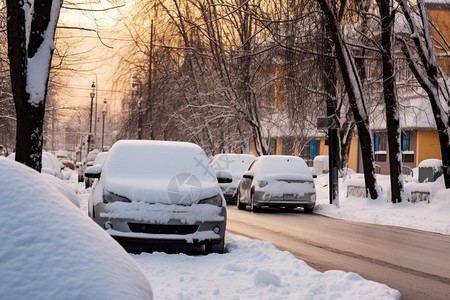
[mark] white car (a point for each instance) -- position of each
(50, 164)
(236, 165)
(152, 192)
(51, 250)
(277, 181)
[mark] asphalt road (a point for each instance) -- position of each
(414, 262)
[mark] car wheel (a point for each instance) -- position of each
(217, 247)
(308, 210)
(238, 202)
(254, 208)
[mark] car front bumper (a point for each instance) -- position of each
(284, 200)
(182, 226)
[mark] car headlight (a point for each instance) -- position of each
(109, 197)
(216, 200)
(262, 183)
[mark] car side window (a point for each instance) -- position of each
(250, 168)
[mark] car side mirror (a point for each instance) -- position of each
(248, 175)
(93, 171)
(224, 176)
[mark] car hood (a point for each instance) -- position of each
(182, 189)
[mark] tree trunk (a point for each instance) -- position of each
(390, 99)
(354, 90)
(25, 48)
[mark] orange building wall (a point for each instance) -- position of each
(353, 154)
(279, 149)
(428, 145)
(323, 149)
(441, 19)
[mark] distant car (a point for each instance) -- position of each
(152, 192)
(92, 155)
(236, 165)
(68, 164)
(277, 181)
(51, 250)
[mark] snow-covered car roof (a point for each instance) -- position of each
(50, 164)
(52, 250)
(232, 162)
(100, 158)
(150, 169)
(282, 164)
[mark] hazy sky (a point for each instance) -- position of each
(90, 58)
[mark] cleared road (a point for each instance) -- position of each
(414, 262)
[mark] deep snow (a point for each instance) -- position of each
(253, 269)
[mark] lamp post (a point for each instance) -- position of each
(103, 125)
(90, 140)
(137, 87)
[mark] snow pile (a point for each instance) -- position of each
(52, 250)
(252, 270)
(433, 216)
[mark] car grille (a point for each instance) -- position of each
(162, 228)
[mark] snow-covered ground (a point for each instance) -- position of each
(254, 269)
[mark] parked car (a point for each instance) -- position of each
(152, 192)
(277, 181)
(50, 164)
(51, 250)
(236, 165)
(90, 158)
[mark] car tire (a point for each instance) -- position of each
(240, 205)
(308, 210)
(216, 247)
(253, 206)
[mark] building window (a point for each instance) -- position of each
(406, 136)
(379, 142)
(288, 146)
(314, 148)
(273, 146)
(380, 155)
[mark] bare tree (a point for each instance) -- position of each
(387, 15)
(427, 73)
(355, 93)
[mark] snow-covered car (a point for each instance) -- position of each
(50, 164)
(90, 158)
(236, 165)
(277, 181)
(152, 192)
(52, 250)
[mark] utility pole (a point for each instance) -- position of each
(103, 125)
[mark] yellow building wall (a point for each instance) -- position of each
(353, 154)
(279, 149)
(323, 149)
(253, 147)
(428, 145)
(441, 20)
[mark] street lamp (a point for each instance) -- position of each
(103, 126)
(90, 140)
